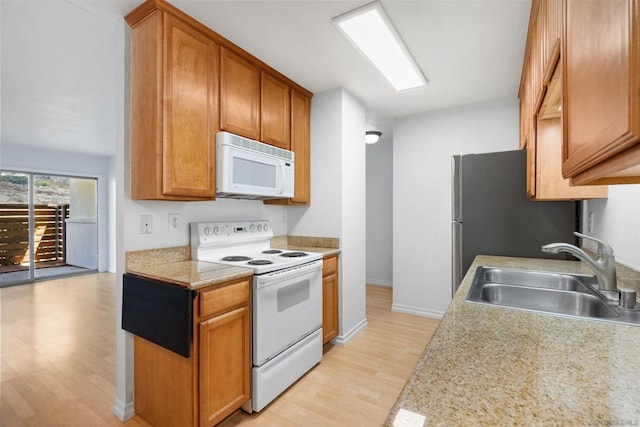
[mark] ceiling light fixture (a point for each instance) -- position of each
(372, 136)
(371, 31)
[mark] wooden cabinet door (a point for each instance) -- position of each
(190, 111)
(239, 95)
(552, 10)
(225, 365)
(601, 88)
(329, 307)
(301, 146)
(275, 112)
(329, 298)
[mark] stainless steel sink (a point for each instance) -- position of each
(558, 293)
(539, 279)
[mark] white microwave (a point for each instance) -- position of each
(248, 169)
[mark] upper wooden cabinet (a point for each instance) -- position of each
(552, 13)
(174, 114)
(301, 146)
(541, 112)
(601, 98)
(239, 95)
(275, 112)
(187, 83)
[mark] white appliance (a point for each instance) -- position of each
(248, 169)
(286, 297)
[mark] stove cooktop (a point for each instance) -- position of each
(243, 244)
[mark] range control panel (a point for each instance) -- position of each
(204, 233)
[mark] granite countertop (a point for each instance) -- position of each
(327, 246)
(192, 274)
(174, 264)
(324, 251)
(495, 366)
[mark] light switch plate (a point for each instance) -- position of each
(174, 222)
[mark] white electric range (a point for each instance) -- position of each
(286, 300)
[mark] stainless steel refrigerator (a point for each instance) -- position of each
(491, 214)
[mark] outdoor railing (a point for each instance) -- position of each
(49, 235)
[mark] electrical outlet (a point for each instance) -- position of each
(590, 221)
(146, 224)
(174, 221)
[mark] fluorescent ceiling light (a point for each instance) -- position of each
(370, 29)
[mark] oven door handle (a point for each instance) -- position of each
(289, 273)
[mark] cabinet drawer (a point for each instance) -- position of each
(329, 265)
(224, 298)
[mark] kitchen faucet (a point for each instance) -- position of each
(604, 266)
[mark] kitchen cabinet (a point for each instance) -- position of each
(601, 92)
(214, 381)
(552, 13)
(239, 95)
(541, 115)
(174, 115)
(301, 146)
(329, 298)
(187, 83)
(225, 352)
(275, 112)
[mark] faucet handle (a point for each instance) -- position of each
(603, 248)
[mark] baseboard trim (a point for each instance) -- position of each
(345, 338)
(123, 411)
(377, 282)
(399, 308)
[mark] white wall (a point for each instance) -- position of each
(219, 210)
(112, 188)
(380, 212)
(617, 222)
(323, 217)
(422, 148)
(353, 240)
(338, 198)
(50, 161)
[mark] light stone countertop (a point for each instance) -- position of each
(327, 246)
(497, 366)
(192, 274)
(324, 251)
(173, 265)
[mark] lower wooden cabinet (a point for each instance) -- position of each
(202, 390)
(330, 298)
(225, 382)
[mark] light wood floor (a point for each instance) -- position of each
(57, 354)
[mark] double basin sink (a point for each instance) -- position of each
(557, 293)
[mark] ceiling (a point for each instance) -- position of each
(59, 57)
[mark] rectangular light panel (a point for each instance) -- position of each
(370, 29)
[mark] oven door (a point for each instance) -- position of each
(287, 306)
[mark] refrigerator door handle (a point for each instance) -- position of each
(456, 256)
(456, 189)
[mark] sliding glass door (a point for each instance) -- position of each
(48, 226)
